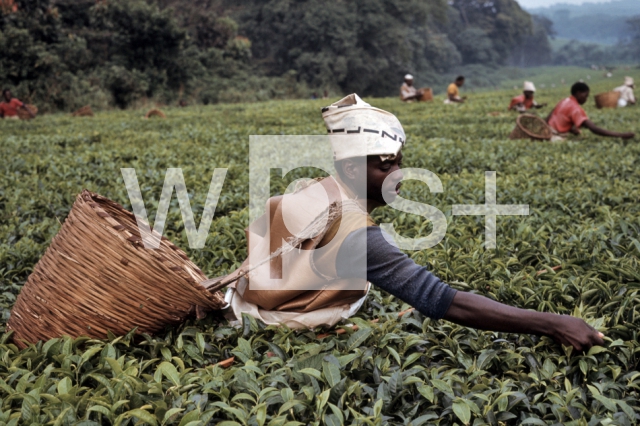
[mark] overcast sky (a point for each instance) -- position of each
(541, 3)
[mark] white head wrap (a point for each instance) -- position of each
(529, 87)
(353, 124)
(408, 77)
(628, 81)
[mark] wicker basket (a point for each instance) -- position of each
(530, 126)
(96, 276)
(155, 113)
(607, 99)
(85, 111)
(427, 94)
(24, 115)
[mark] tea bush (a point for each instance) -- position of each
(584, 216)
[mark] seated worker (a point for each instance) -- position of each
(525, 101)
(408, 92)
(568, 115)
(453, 92)
(626, 93)
(10, 106)
(367, 145)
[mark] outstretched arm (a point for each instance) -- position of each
(476, 311)
(603, 132)
(31, 113)
(393, 271)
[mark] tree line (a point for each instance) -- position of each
(64, 54)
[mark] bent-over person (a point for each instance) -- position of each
(324, 287)
(525, 101)
(408, 92)
(627, 97)
(569, 117)
(453, 91)
(10, 106)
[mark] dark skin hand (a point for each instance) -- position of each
(418, 94)
(529, 95)
(472, 310)
(467, 309)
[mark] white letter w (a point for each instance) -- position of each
(173, 179)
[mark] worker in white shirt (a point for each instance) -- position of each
(408, 92)
(626, 93)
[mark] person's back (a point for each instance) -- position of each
(566, 115)
(626, 93)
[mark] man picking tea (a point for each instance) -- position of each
(568, 115)
(10, 106)
(310, 272)
(525, 101)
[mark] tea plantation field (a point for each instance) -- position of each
(584, 217)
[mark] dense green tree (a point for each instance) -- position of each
(535, 49)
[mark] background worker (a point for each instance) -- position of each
(408, 92)
(10, 106)
(568, 115)
(525, 101)
(453, 91)
(626, 93)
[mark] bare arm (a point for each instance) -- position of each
(418, 95)
(472, 310)
(28, 110)
(603, 132)
(453, 98)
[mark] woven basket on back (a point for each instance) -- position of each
(530, 126)
(155, 113)
(24, 115)
(96, 276)
(85, 111)
(607, 99)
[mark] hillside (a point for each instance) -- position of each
(603, 23)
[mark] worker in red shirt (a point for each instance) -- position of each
(525, 101)
(568, 115)
(10, 106)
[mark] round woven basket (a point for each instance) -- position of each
(24, 115)
(155, 113)
(531, 127)
(427, 94)
(85, 111)
(96, 276)
(607, 99)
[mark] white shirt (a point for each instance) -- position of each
(626, 93)
(407, 91)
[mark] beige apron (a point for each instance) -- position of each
(317, 218)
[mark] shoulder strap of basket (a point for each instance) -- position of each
(315, 231)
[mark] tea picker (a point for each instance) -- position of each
(409, 93)
(361, 185)
(14, 108)
(627, 97)
(569, 117)
(525, 101)
(97, 276)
